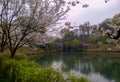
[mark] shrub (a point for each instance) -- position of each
(22, 70)
(77, 79)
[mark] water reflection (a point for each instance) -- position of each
(99, 67)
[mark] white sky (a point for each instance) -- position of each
(97, 11)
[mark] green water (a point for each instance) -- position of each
(97, 66)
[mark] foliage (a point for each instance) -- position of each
(6, 56)
(22, 70)
(116, 20)
(31, 51)
(76, 79)
(95, 39)
(75, 44)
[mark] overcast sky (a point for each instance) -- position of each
(97, 11)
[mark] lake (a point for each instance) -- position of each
(97, 66)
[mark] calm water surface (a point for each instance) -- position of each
(97, 66)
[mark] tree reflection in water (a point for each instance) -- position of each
(98, 66)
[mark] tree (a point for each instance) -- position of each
(82, 29)
(115, 37)
(3, 38)
(75, 44)
(114, 23)
(116, 20)
(64, 32)
(24, 19)
(86, 27)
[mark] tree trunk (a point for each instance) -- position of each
(1, 49)
(12, 53)
(3, 43)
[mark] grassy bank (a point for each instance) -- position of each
(21, 69)
(40, 51)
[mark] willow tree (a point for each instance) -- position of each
(21, 20)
